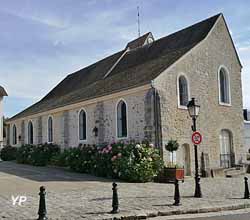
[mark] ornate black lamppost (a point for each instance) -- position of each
(193, 110)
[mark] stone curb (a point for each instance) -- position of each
(153, 214)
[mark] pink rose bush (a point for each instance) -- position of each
(133, 162)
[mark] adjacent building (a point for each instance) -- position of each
(2, 94)
(141, 93)
(246, 114)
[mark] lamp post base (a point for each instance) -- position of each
(197, 193)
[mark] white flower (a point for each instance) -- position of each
(151, 145)
(138, 146)
(150, 159)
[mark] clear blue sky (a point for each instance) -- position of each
(41, 41)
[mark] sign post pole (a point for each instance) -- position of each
(196, 138)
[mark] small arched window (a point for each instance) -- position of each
(50, 130)
(30, 133)
(183, 91)
(122, 119)
(82, 125)
(14, 135)
(224, 86)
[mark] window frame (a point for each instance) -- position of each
(78, 125)
(178, 90)
(223, 138)
(116, 119)
(224, 68)
(29, 142)
(52, 129)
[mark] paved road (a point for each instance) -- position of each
(77, 196)
(229, 215)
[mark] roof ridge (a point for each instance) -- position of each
(197, 23)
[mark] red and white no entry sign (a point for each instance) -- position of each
(196, 137)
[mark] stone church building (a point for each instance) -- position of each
(141, 93)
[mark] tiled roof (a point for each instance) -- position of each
(137, 67)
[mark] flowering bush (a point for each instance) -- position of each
(131, 162)
(82, 158)
(137, 163)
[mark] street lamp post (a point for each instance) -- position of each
(193, 110)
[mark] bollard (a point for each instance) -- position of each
(246, 194)
(212, 173)
(42, 206)
(176, 193)
(115, 202)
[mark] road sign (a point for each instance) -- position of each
(196, 137)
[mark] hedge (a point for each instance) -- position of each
(8, 153)
(131, 162)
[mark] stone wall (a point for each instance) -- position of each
(201, 68)
(101, 115)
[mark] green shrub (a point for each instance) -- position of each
(24, 153)
(8, 153)
(172, 146)
(61, 159)
(37, 155)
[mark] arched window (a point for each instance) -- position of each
(50, 130)
(30, 133)
(224, 86)
(122, 119)
(226, 149)
(14, 135)
(183, 91)
(82, 125)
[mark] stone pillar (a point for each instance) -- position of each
(101, 129)
(99, 122)
(39, 130)
(22, 139)
(149, 129)
(65, 129)
(152, 130)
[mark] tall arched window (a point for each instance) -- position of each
(82, 125)
(224, 86)
(30, 133)
(14, 135)
(122, 119)
(50, 130)
(183, 91)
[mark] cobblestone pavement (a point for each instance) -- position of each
(77, 196)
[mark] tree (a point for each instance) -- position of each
(172, 146)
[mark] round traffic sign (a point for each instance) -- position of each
(196, 137)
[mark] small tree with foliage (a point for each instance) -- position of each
(172, 146)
